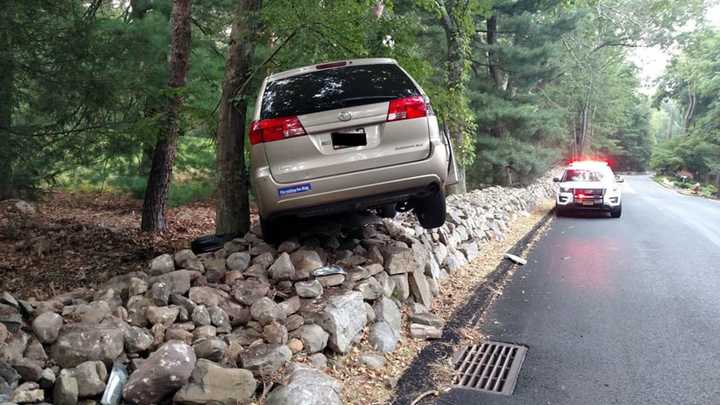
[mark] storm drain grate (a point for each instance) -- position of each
(489, 367)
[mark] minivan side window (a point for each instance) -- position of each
(335, 88)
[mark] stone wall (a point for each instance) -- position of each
(201, 328)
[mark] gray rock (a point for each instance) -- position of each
(207, 296)
(28, 393)
(91, 377)
(370, 289)
(66, 391)
(387, 283)
(137, 286)
(264, 359)
(83, 342)
(219, 318)
(215, 270)
(305, 261)
(399, 260)
(162, 264)
(9, 379)
(137, 307)
(370, 312)
(419, 287)
(314, 338)
(159, 293)
(266, 310)
(238, 261)
(162, 315)
(212, 349)
(282, 268)
(306, 386)
(318, 360)
(137, 339)
(47, 326)
(291, 305)
(36, 351)
(419, 331)
(4, 333)
(210, 383)
(383, 337)
(14, 347)
(387, 310)
(275, 333)
(29, 370)
(166, 370)
(294, 321)
(204, 332)
(264, 260)
(433, 286)
(441, 253)
(178, 281)
(200, 316)
(372, 361)
(249, 291)
(331, 280)
(344, 318)
(93, 312)
(178, 334)
(289, 246)
(402, 286)
(308, 289)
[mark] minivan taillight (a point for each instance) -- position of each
(406, 108)
(275, 129)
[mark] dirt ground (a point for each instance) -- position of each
(82, 239)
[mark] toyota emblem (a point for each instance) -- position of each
(345, 116)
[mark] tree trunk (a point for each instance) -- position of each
(7, 152)
(153, 217)
(233, 207)
(456, 72)
(493, 68)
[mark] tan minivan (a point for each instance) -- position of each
(343, 136)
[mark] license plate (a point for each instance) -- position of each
(349, 139)
(587, 203)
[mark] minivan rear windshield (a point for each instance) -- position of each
(335, 88)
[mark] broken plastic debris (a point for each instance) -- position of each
(327, 270)
(517, 259)
(113, 390)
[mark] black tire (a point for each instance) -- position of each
(210, 243)
(273, 230)
(387, 211)
(430, 211)
(616, 212)
(560, 211)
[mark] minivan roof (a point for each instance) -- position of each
(314, 67)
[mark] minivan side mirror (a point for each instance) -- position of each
(619, 179)
(556, 179)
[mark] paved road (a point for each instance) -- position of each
(617, 311)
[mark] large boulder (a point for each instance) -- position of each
(306, 386)
(282, 268)
(210, 383)
(162, 264)
(382, 337)
(84, 342)
(343, 317)
(166, 370)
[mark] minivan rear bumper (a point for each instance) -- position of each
(350, 191)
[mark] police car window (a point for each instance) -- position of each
(582, 175)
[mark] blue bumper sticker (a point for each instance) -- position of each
(298, 188)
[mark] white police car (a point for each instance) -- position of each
(589, 185)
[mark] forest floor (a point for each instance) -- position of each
(83, 239)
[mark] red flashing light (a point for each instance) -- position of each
(330, 65)
(407, 108)
(275, 129)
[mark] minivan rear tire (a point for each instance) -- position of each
(272, 230)
(430, 211)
